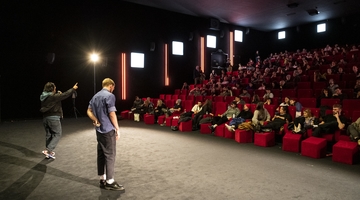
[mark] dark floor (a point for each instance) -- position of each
(154, 162)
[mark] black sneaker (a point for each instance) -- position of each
(102, 184)
(114, 186)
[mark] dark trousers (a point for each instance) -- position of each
(106, 153)
(274, 125)
(196, 120)
(329, 127)
(219, 120)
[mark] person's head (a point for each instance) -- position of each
(49, 87)
(355, 68)
(245, 91)
(267, 90)
(337, 90)
(137, 98)
(287, 100)
(178, 101)
(233, 104)
(307, 113)
(246, 107)
(199, 103)
(237, 99)
(329, 71)
(197, 67)
(337, 109)
(267, 101)
(283, 109)
(109, 84)
(331, 81)
(292, 101)
(159, 102)
(260, 105)
(255, 97)
(340, 70)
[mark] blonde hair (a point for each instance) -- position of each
(107, 82)
(308, 111)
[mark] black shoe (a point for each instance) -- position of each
(114, 186)
(102, 184)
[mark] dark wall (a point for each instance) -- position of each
(73, 30)
(342, 31)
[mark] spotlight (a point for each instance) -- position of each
(313, 12)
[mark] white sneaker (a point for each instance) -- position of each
(228, 127)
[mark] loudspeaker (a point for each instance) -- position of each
(214, 24)
(191, 36)
(50, 58)
(247, 31)
(152, 46)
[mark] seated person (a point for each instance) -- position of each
(298, 106)
(138, 103)
(206, 108)
(267, 101)
(159, 109)
(177, 108)
(245, 114)
(255, 99)
(339, 95)
(354, 131)
(231, 112)
(283, 117)
(195, 91)
(302, 123)
(260, 116)
(331, 122)
(268, 94)
(245, 93)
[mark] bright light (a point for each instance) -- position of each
(177, 48)
(211, 41)
(238, 36)
(94, 57)
(137, 60)
(281, 35)
(321, 28)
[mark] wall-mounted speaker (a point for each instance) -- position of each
(214, 24)
(50, 58)
(152, 46)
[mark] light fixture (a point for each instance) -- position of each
(94, 58)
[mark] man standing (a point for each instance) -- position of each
(52, 112)
(101, 111)
(197, 75)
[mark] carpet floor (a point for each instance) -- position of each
(156, 163)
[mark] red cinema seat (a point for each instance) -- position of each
(291, 142)
(264, 139)
(308, 102)
(313, 147)
(305, 93)
(345, 152)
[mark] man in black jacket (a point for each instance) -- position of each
(52, 112)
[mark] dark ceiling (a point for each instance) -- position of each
(263, 15)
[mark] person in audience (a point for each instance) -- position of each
(231, 112)
(339, 95)
(206, 108)
(304, 122)
(177, 108)
(245, 93)
(268, 94)
(159, 109)
(286, 102)
(355, 71)
(138, 103)
(226, 92)
(332, 85)
(262, 86)
(298, 106)
(331, 122)
(297, 74)
(318, 77)
(267, 101)
(353, 131)
(184, 87)
(197, 75)
(255, 99)
(149, 106)
(357, 87)
(238, 100)
(260, 116)
(195, 91)
(334, 67)
(357, 96)
(325, 94)
(213, 73)
(245, 114)
(250, 86)
(283, 117)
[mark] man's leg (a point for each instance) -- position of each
(354, 134)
